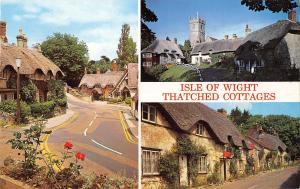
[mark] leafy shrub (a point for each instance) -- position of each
(43, 109)
(233, 169)
(56, 90)
(10, 106)
(169, 168)
(28, 91)
(156, 71)
(213, 178)
(62, 102)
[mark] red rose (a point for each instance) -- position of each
(68, 145)
(80, 156)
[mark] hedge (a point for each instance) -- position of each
(44, 109)
(10, 106)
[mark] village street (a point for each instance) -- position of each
(98, 133)
(279, 179)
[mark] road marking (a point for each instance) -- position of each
(90, 124)
(85, 131)
(127, 134)
(106, 147)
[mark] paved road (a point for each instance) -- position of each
(282, 179)
(99, 134)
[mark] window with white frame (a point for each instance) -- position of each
(200, 129)
(147, 64)
(150, 159)
(149, 113)
(202, 164)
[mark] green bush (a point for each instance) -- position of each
(28, 91)
(43, 109)
(62, 102)
(128, 100)
(56, 90)
(213, 178)
(156, 71)
(10, 106)
(169, 168)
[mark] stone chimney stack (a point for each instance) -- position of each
(98, 71)
(114, 66)
(3, 38)
(223, 112)
(247, 30)
(234, 36)
(21, 39)
(226, 37)
(292, 16)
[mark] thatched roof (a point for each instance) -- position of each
(163, 46)
(186, 115)
(132, 75)
(32, 60)
(217, 46)
(269, 36)
(270, 142)
(108, 78)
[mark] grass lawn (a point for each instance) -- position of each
(179, 73)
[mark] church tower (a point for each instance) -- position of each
(197, 30)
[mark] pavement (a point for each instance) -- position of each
(131, 122)
(288, 178)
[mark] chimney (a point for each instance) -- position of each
(223, 112)
(234, 36)
(21, 39)
(247, 30)
(85, 70)
(226, 37)
(175, 40)
(3, 38)
(98, 71)
(292, 16)
(114, 66)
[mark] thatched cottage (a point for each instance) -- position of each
(202, 52)
(161, 52)
(35, 67)
(112, 83)
(274, 46)
(266, 144)
(163, 123)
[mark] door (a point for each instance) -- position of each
(183, 180)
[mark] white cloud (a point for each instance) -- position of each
(103, 19)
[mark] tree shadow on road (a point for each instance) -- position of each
(293, 182)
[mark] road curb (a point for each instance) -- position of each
(44, 145)
(128, 134)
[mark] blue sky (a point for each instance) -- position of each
(97, 22)
(261, 108)
(222, 17)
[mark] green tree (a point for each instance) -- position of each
(187, 50)
(127, 47)
(69, 54)
(147, 15)
(272, 5)
(104, 59)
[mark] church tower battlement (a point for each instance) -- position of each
(197, 30)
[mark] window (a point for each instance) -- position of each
(147, 64)
(149, 113)
(202, 164)
(200, 129)
(150, 160)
